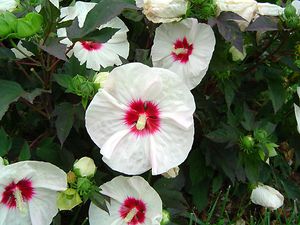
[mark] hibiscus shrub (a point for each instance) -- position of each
(149, 112)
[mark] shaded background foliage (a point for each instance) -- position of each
(238, 102)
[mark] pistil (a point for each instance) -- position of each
(141, 123)
(130, 215)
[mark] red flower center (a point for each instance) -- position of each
(142, 117)
(133, 211)
(16, 193)
(182, 50)
(91, 46)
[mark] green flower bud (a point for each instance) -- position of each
(290, 11)
(87, 89)
(166, 218)
(261, 135)
(5, 29)
(85, 167)
(68, 199)
(29, 25)
(293, 22)
(237, 55)
(247, 143)
(84, 187)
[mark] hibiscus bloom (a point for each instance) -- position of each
(95, 54)
(267, 196)
(132, 201)
(297, 111)
(8, 5)
(28, 192)
(142, 118)
(163, 11)
(185, 48)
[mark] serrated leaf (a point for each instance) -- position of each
(55, 48)
(263, 23)
(223, 135)
(10, 92)
(102, 13)
(64, 121)
(5, 142)
(230, 30)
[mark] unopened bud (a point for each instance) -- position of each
(172, 173)
(85, 167)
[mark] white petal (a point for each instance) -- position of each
(3, 214)
(268, 9)
(80, 10)
(8, 5)
(267, 196)
(15, 217)
(20, 55)
(98, 216)
(297, 113)
(43, 206)
(42, 174)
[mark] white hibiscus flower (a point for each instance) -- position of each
(297, 111)
(142, 118)
(267, 196)
(268, 9)
(8, 5)
(185, 48)
(95, 54)
(132, 201)
(28, 192)
(296, 4)
(163, 11)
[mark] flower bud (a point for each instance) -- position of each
(100, 78)
(237, 55)
(85, 167)
(290, 11)
(172, 173)
(163, 11)
(71, 177)
(68, 199)
(166, 217)
(267, 196)
(247, 143)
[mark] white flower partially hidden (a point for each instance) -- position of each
(185, 48)
(8, 5)
(95, 54)
(296, 4)
(268, 9)
(297, 111)
(28, 193)
(20, 54)
(139, 117)
(163, 11)
(244, 8)
(267, 196)
(85, 167)
(100, 78)
(172, 173)
(132, 201)
(79, 10)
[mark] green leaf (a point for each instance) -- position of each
(25, 152)
(277, 93)
(99, 200)
(30, 96)
(5, 142)
(64, 120)
(6, 53)
(224, 134)
(249, 118)
(10, 92)
(217, 183)
(63, 80)
(101, 36)
(55, 48)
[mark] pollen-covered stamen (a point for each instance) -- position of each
(182, 50)
(130, 215)
(133, 211)
(142, 117)
(16, 195)
(141, 123)
(20, 201)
